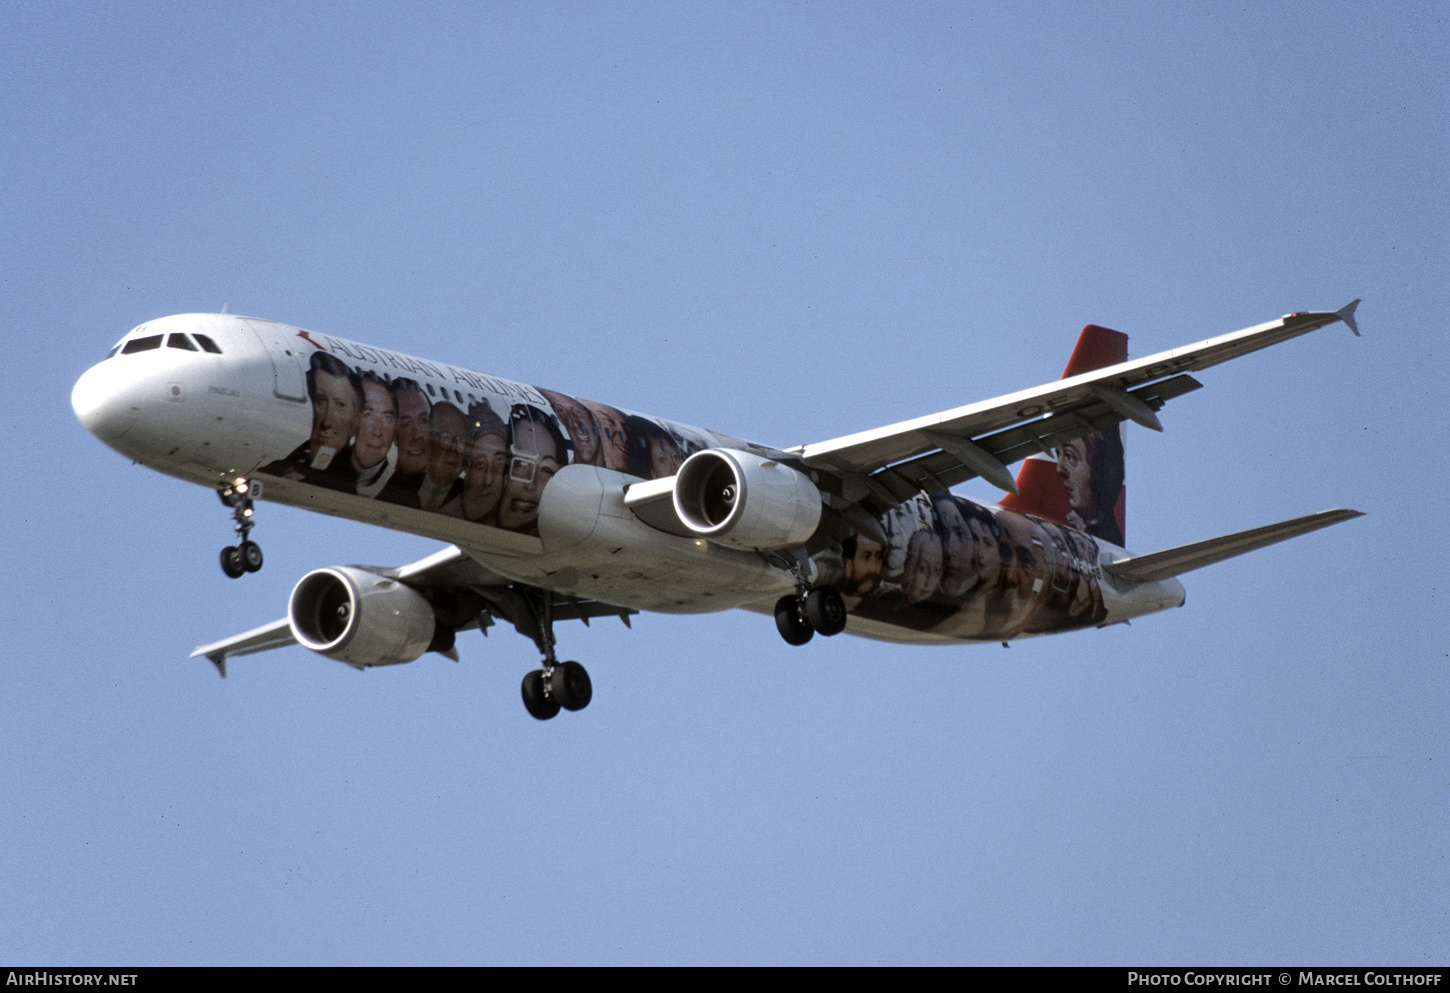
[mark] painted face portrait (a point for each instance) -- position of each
(580, 426)
(1091, 470)
(533, 460)
(446, 440)
(959, 571)
(414, 424)
(613, 439)
(862, 558)
(987, 554)
(1081, 547)
(664, 456)
(1077, 478)
(376, 426)
(922, 575)
(484, 476)
(1022, 542)
(1087, 600)
(335, 412)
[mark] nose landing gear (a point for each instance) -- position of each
(247, 555)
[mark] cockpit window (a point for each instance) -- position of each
(207, 345)
(141, 344)
(180, 341)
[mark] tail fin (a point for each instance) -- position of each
(1092, 466)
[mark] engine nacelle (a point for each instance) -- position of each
(360, 618)
(745, 500)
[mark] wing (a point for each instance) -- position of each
(937, 451)
(464, 594)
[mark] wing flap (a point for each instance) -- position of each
(1185, 558)
(944, 468)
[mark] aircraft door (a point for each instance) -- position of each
(288, 360)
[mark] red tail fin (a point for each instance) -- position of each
(1092, 467)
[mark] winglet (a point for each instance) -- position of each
(217, 658)
(1346, 314)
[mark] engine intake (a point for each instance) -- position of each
(745, 500)
(363, 619)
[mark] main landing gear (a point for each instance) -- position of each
(800, 616)
(558, 685)
(247, 555)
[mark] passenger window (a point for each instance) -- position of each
(430, 390)
(207, 345)
(142, 344)
(180, 341)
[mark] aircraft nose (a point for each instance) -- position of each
(106, 401)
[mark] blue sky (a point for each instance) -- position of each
(785, 223)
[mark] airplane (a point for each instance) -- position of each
(554, 508)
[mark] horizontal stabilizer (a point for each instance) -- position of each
(1185, 558)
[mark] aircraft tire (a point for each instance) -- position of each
(794, 628)
(232, 563)
(570, 686)
(826, 610)
(251, 555)
(538, 705)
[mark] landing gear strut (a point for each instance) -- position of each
(247, 555)
(808, 612)
(558, 685)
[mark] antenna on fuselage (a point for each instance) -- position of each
(224, 308)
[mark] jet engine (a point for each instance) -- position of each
(362, 618)
(745, 500)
